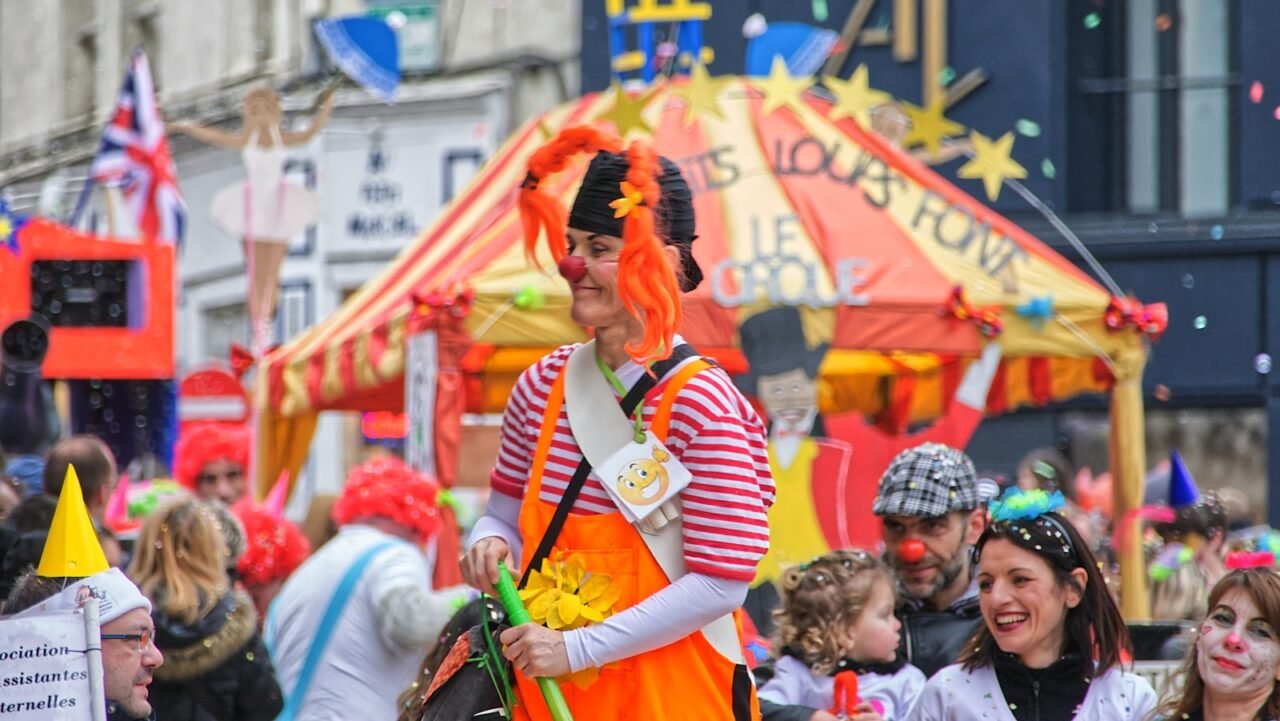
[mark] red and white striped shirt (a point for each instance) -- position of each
(714, 432)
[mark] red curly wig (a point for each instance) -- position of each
(274, 547)
(388, 488)
(203, 443)
(647, 281)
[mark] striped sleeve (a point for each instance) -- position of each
(721, 441)
(521, 422)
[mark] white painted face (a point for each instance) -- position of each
(1238, 652)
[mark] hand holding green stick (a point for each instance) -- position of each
(517, 614)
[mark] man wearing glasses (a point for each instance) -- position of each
(128, 655)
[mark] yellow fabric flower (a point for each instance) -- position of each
(630, 200)
(563, 595)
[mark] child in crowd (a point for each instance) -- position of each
(837, 617)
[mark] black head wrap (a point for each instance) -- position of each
(674, 220)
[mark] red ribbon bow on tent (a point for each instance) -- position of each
(457, 304)
(241, 360)
(1150, 320)
(986, 320)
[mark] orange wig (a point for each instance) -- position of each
(647, 281)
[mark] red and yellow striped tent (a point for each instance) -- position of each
(797, 203)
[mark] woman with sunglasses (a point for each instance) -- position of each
(1051, 644)
(216, 665)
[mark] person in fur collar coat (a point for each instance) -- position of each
(216, 665)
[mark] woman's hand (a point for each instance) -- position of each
(822, 716)
(535, 651)
(480, 564)
(866, 712)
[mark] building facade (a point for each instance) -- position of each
(1150, 127)
(472, 72)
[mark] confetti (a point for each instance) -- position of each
(1216, 232)
(820, 10)
(1262, 363)
(1092, 20)
(946, 75)
(754, 26)
(1188, 282)
(1029, 128)
(1162, 392)
(1163, 22)
(1275, 197)
(1255, 92)
(1047, 169)
(1200, 322)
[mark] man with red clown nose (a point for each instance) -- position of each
(933, 512)
(627, 461)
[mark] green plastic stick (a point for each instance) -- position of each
(518, 615)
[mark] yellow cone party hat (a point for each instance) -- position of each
(72, 550)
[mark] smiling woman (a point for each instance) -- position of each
(1050, 647)
(1232, 670)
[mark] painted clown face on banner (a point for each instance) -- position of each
(790, 398)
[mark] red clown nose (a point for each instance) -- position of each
(573, 268)
(911, 550)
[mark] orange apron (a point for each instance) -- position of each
(687, 679)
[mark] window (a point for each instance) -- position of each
(224, 325)
(1149, 94)
(81, 58)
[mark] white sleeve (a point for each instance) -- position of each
(911, 690)
(502, 519)
(669, 615)
(1144, 698)
(931, 705)
(410, 613)
(788, 685)
(977, 379)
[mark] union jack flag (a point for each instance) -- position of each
(134, 154)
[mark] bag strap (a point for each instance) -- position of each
(600, 435)
(628, 404)
(328, 623)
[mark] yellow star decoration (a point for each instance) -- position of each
(630, 200)
(563, 595)
(6, 229)
(546, 131)
(929, 126)
(700, 94)
(627, 114)
(855, 97)
(992, 162)
(780, 88)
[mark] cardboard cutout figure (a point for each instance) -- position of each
(266, 209)
(805, 520)
(827, 478)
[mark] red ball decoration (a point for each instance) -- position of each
(911, 550)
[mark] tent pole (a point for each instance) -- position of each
(1128, 469)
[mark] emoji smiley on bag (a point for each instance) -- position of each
(644, 480)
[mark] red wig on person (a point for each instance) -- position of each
(274, 547)
(203, 443)
(647, 282)
(388, 488)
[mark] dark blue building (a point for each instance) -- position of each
(1152, 127)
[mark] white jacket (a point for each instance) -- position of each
(954, 694)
